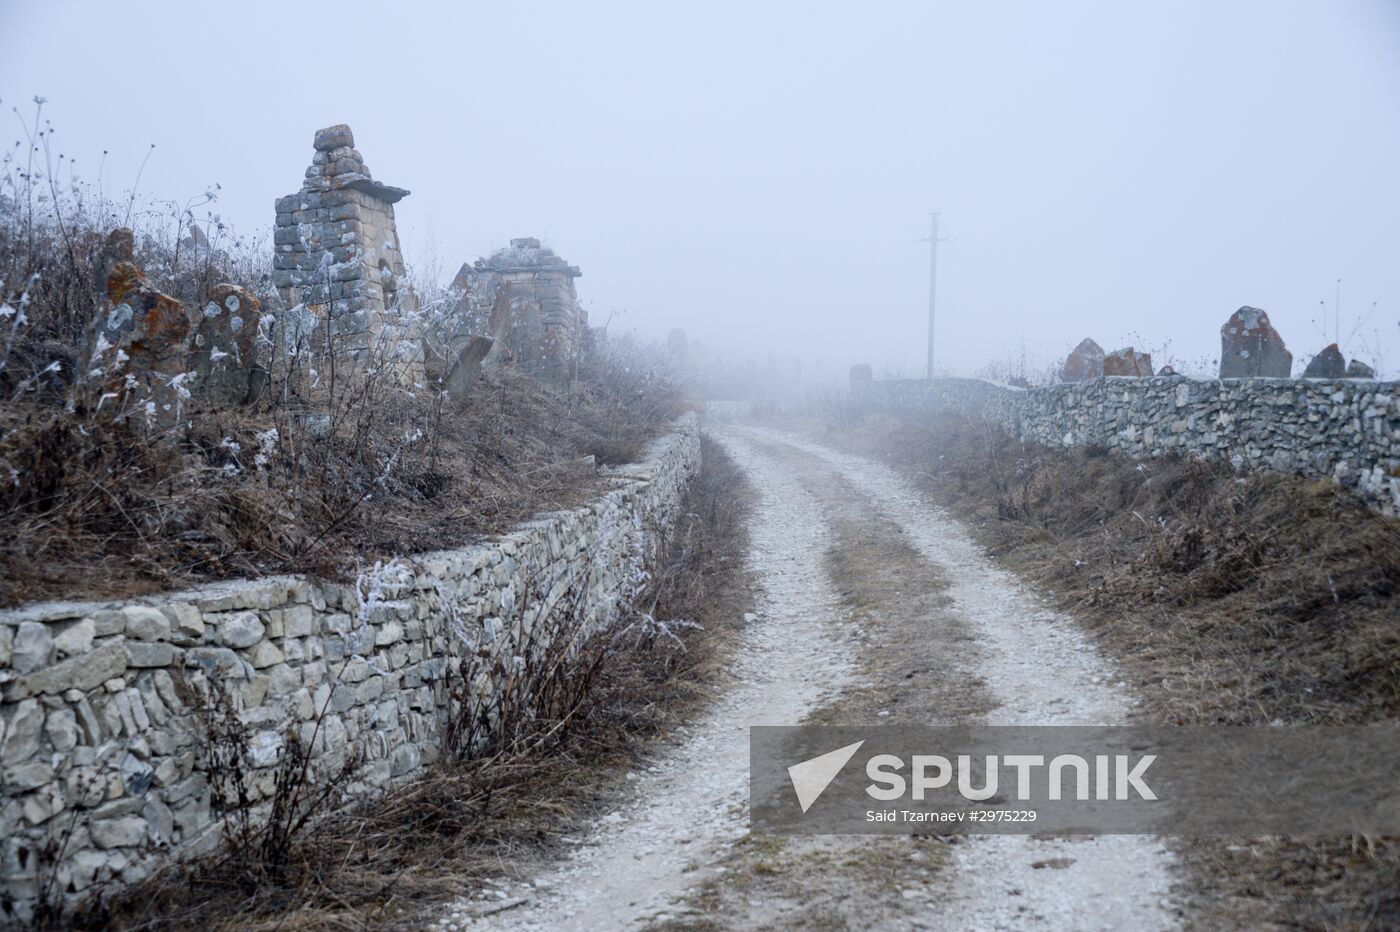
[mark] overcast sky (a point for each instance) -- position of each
(761, 174)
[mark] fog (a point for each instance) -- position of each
(761, 174)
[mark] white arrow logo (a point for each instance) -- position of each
(811, 777)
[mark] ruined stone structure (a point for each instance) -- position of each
(1347, 430)
(99, 740)
(336, 247)
(546, 327)
(1251, 348)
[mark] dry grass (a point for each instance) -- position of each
(383, 863)
(1229, 598)
(340, 459)
(101, 510)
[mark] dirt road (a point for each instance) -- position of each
(874, 608)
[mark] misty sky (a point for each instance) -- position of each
(761, 174)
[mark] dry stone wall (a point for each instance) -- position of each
(101, 743)
(1347, 429)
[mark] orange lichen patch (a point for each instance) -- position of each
(163, 325)
(124, 280)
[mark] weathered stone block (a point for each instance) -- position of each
(33, 647)
(1356, 369)
(76, 638)
(1328, 364)
(27, 776)
(145, 623)
(125, 832)
(220, 661)
(149, 654)
(1127, 362)
(334, 137)
(84, 672)
(1084, 362)
(239, 629)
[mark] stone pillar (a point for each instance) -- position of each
(336, 247)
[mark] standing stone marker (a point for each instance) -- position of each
(1328, 364)
(1357, 369)
(139, 338)
(1084, 362)
(1128, 362)
(225, 352)
(1251, 348)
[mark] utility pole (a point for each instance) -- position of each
(933, 239)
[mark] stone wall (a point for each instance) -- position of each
(1347, 429)
(102, 746)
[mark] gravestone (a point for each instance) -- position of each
(1357, 369)
(224, 356)
(1328, 364)
(1251, 348)
(1128, 362)
(137, 344)
(1084, 362)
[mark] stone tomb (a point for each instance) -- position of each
(546, 326)
(336, 247)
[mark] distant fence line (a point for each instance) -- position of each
(1347, 429)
